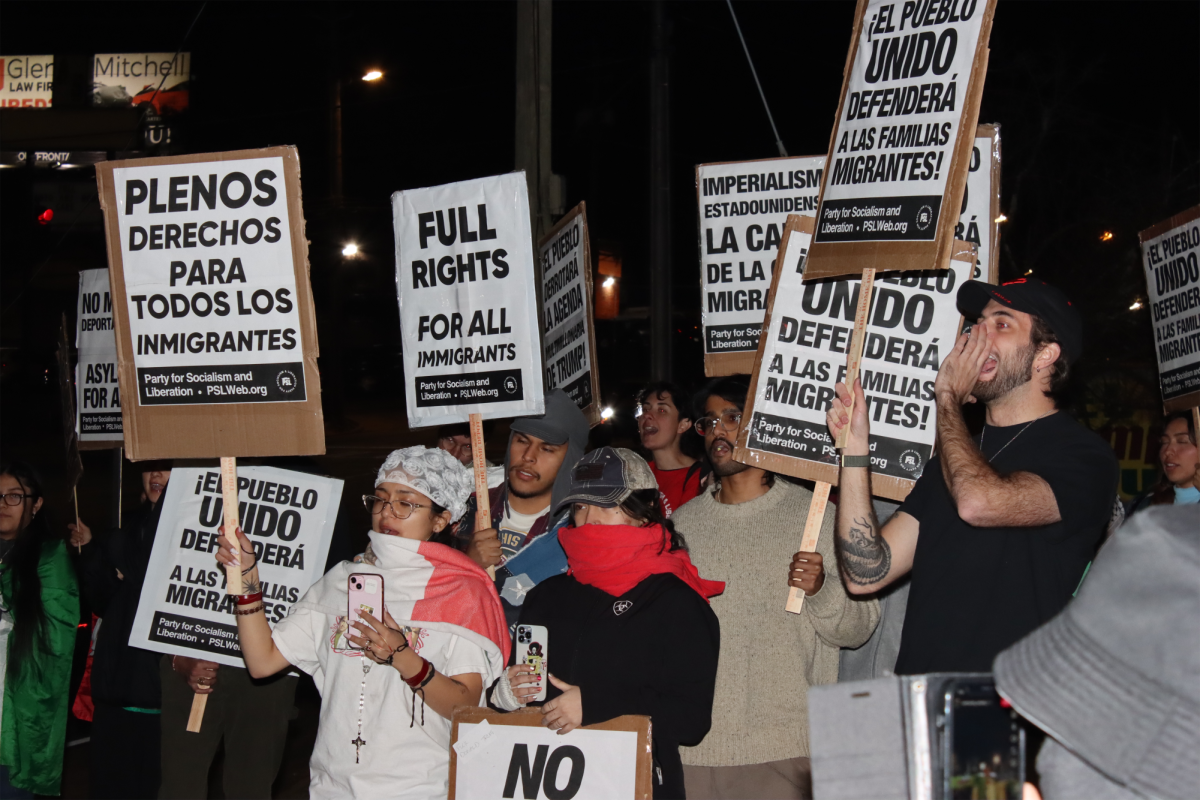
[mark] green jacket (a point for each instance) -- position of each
(36, 694)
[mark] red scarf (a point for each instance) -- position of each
(616, 558)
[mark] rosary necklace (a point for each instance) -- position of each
(1014, 438)
(358, 741)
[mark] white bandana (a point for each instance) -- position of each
(432, 472)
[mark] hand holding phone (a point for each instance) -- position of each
(365, 593)
(528, 675)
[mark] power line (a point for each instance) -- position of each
(754, 72)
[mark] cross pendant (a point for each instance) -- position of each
(358, 742)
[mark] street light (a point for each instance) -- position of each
(606, 414)
(373, 75)
(350, 250)
(608, 282)
(1106, 236)
(1136, 305)
(1001, 218)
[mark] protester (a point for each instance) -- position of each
(653, 649)
(741, 531)
(522, 542)
(1112, 680)
(1008, 523)
(126, 688)
(662, 426)
(444, 642)
(38, 619)
(1180, 480)
(456, 440)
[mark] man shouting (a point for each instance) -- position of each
(998, 532)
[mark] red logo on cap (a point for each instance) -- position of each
(1013, 283)
(1002, 297)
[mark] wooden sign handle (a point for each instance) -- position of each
(808, 542)
(483, 503)
(859, 338)
(199, 702)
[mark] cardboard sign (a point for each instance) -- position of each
(1170, 253)
(465, 277)
(981, 204)
(97, 390)
(493, 754)
(903, 138)
(289, 518)
(26, 81)
(913, 323)
(569, 342)
(743, 206)
(216, 337)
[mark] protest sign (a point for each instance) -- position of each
(216, 336)
(465, 278)
(569, 341)
(1170, 251)
(98, 392)
(493, 754)
(912, 323)
(743, 206)
(903, 137)
(978, 222)
(289, 518)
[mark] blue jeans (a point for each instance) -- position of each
(10, 792)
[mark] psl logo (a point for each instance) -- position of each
(286, 381)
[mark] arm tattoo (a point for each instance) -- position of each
(866, 556)
(251, 587)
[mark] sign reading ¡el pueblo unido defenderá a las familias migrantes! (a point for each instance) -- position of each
(912, 323)
(1170, 254)
(742, 208)
(898, 156)
(216, 337)
(288, 517)
(569, 339)
(97, 390)
(979, 221)
(465, 277)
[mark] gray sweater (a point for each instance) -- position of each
(768, 657)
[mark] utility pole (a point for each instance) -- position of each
(534, 38)
(660, 196)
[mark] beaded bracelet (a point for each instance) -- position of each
(245, 612)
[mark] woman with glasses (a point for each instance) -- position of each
(39, 611)
(437, 640)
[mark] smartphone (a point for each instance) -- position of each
(983, 745)
(365, 594)
(532, 650)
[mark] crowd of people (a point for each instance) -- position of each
(661, 584)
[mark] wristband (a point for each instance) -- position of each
(422, 677)
(854, 461)
(248, 599)
(245, 612)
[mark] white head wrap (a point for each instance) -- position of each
(432, 472)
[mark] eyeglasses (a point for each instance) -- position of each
(16, 498)
(730, 420)
(401, 509)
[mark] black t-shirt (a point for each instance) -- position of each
(975, 591)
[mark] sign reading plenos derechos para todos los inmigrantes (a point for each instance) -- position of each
(288, 517)
(904, 134)
(569, 340)
(742, 209)
(97, 389)
(912, 324)
(1170, 252)
(468, 305)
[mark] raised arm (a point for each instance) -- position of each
(869, 558)
(263, 658)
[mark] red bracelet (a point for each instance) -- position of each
(419, 680)
(247, 599)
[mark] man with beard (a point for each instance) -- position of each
(743, 530)
(522, 541)
(663, 420)
(998, 531)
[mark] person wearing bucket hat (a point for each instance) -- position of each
(1114, 680)
(630, 629)
(999, 529)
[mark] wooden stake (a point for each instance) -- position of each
(808, 542)
(75, 493)
(483, 503)
(854, 356)
(199, 702)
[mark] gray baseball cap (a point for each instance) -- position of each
(1115, 678)
(607, 476)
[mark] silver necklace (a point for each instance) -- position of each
(358, 741)
(1013, 439)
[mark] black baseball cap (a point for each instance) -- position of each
(1033, 296)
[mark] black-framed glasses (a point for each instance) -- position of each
(401, 509)
(730, 420)
(16, 498)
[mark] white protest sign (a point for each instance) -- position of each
(465, 277)
(289, 518)
(570, 338)
(912, 324)
(742, 207)
(210, 282)
(532, 761)
(1170, 253)
(981, 203)
(97, 389)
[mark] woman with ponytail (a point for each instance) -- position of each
(39, 611)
